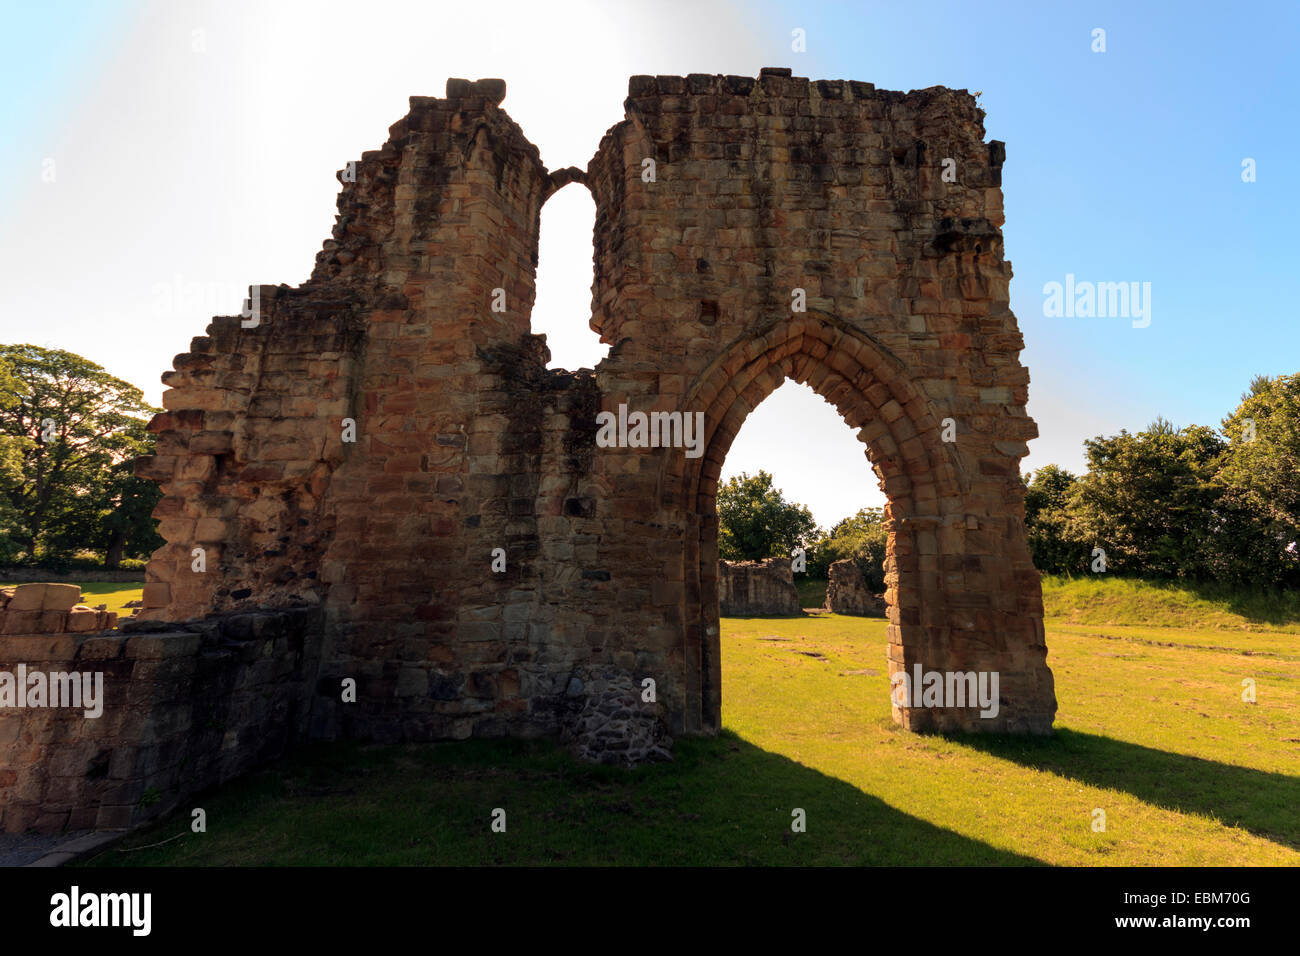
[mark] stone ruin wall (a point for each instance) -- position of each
(835, 188)
(846, 592)
(465, 442)
(391, 534)
(757, 589)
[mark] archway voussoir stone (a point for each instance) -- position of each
(815, 347)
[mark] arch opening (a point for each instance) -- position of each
(797, 436)
(900, 431)
(816, 461)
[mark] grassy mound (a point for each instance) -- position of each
(1104, 599)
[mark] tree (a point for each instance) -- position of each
(1260, 475)
(755, 521)
(11, 461)
(74, 430)
(128, 526)
(1050, 497)
(1150, 500)
(862, 539)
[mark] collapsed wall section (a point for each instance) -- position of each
(252, 432)
(757, 589)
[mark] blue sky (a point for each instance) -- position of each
(1121, 166)
(218, 166)
(47, 51)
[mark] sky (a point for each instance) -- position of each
(157, 158)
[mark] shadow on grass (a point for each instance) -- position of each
(722, 801)
(1256, 605)
(1256, 800)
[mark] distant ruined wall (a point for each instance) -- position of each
(757, 589)
(846, 592)
(383, 450)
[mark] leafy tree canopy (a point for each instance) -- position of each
(861, 538)
(755, 521)
(69, 432)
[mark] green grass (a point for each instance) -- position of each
(113, 593)
(812, 591)
(1155, 734)
(722, 801)
(1101, 599)
(1151, 729)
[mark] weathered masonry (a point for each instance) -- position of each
(350, 456)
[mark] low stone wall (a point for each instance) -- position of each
(846, 592)
(49, 609)
(103, 728)
(757, 589)
(129, 724)
(180, 708)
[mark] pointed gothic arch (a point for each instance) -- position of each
(930, 624)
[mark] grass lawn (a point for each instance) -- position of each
(812, 591)
(1151, 729)
(113, 593)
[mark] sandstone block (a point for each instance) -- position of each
(53, 622)
(21, 622)
(28, 597)
(81, 619)
(156, 594)
(60, 597)
(155, 467)
(211, 531)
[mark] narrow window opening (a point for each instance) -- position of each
(562, 309)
